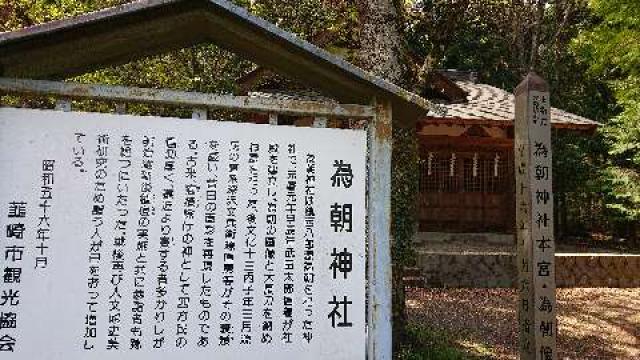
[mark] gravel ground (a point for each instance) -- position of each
(594, 323)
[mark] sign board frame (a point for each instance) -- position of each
(379, 141)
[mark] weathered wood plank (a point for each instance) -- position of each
(320, 122)
(63, 105)
(183, 98)
(121, 108)
(273, 119)
(199, 114)
(534, 221)
(379, 233)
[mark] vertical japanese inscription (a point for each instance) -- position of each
(310, 221)
(43, 232)
(341, 220)
(96, 240)
(291, 207)
(189, 208)
(205, 315)
(166, 241)
(13, 254)
(271, 233)
(146, 211)
(535, 235)
(249, 245)
(117, 279)
(218, 240)
(226, 335)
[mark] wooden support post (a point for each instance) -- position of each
(199, 114)
(181, 98)
(273, 119)
(320, 122)
(379, 233)
(121, 108)
(534, 220)
(63, 105)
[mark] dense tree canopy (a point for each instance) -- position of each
(589, 52)
(612, 51)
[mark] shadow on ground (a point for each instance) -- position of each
(593, 323)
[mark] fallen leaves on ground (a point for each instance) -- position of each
(594, 323)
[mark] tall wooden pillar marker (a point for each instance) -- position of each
(534, 220)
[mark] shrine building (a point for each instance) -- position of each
(467, 181)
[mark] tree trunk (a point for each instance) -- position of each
(536, 33)
(383, 49)
(383, 52)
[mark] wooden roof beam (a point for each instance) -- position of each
(118, 35)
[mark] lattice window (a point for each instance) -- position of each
(465, 172)
(485, 172)
(438, 172)
(472, 175)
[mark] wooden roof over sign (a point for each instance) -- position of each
(73, 46)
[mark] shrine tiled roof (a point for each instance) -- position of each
(488, 104)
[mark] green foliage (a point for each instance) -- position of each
(404, 194)
(15, 14)
(329, 24)
(590, 56)
(623, 131)
(204, 68)
(463, 35)
(404, 191)
(577, 163)
(621, 187)
(612, 47)
(425, 343)
(612, 51)
(306, 18)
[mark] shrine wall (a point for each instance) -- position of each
(499, 270)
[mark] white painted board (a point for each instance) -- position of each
(153, 238)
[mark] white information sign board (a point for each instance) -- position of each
(128, 237)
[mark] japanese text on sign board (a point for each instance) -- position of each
(162, 236)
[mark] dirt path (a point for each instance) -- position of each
(594, 323)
